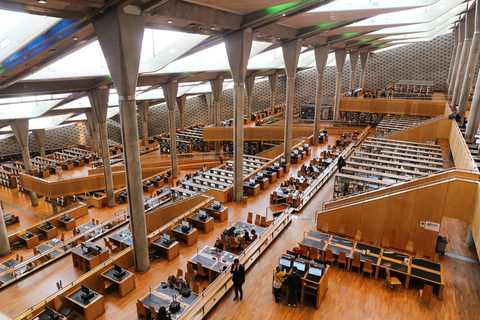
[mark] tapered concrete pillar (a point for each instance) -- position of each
(452, 60)
(321, 55)
(469, 27)
(209, 98)
(474, 115)
(39, 135)
(249, 82)
(340, 55)
(120, 36)
(217, 88)
(469, 242)
(4, 244)
(170, 90)
(363, 61)
(353, 67)
(143, 112)
(272, 79)
(238, 45)
(92, 125)
(20, 130)
(181, 101)
(99, 102)
(461, 37)
(470, 68)
(291, 53)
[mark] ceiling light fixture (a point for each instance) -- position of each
(42, 1)
(284, 15)
(75, 38)
(213, 28)
(169, 21)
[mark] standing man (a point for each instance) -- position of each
(294, 282)
(238, 278)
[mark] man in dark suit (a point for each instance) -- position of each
(294, 282)
(238, 278)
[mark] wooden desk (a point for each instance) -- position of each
(286, 167)
(171, 252)
(317, 289)
(206, 225)
(41, 314)
(262, 181)
(30, 242)
(278, 170)
(90, 309)
(252, 190)
(189, 238)
(79, 163)
(66, 166)
(213, 263)
(149, 188)
(90, 260)
(49, 233)
(220, 214)
(125, 283)
(272, 177)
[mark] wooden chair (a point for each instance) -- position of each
(419, 254)
(329, 256)
(141, 309)
(257, 220)
(108, 244)
(196, 288)
(188, 279)
(392, 281)
(179, 273)
(304, 249)
(410, 247)
(250, 218)
(21, 259)
(97, 222)
(200, 271)
(153, 312)
(233, 244)
(224, 241)
(62, 237)
(342, 258)
(244, 243)
(426, 295)
(274, 197)
(358, 237)
(356, 263)
(263, 222)
(314, 253)
(368, 267)
(18, 257)
(190, 270)
(93, 220)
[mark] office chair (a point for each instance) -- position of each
(426, 295)
(367, 267)
(392, 281)
(152, 254)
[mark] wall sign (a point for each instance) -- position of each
(432, 226)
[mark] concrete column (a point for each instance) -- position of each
(249, 82)
(353, 66)
(181, 101)
(340, 55)
(143, 112)
(291, 53)
(170, 90)
(470, 68)
(469, 242)
(217, 88)
(239, 45)
(4, 244)
(461, 36)
(92, 125)
(272, 79)
(321, 55)
(452, 60)
(120, 35)
(39, 135)
(469, 24)
(20, 130)
(209, 98)
(99, 102)
(363, 61)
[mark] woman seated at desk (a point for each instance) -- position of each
(172, 280)
(182, 284)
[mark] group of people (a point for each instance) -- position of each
(293, 282)
(249, 237)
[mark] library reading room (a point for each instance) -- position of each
(239, 159)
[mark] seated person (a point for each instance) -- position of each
(298, 250)
(247, 236)
(172, 280)
(218, 244)
(238, 238)
(254, 235)
(182, 284)
(162, 314)
(230, 232)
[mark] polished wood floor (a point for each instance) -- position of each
(349, 295)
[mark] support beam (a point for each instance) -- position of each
(181, 101)
(4, 244)
(249, 82)
(340, 55)
(143, 112)
(39, 135)
(353, 67)
(217, 88)
(209, 98)
(452, 60)
(239, 45)
(120, 36)
(272, 79)
(467, 42)
(20, 130)
(291, 53)
(363, 61)
(461, 37)
(470, 68)
(99, 102)
(170, 90)
(321, 55)
(92, 126)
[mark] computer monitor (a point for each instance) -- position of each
(251, 181)
(202, 214)
(119, 272)
(292, 253)
(87, 294)
(166, 236)
(52, 315)
(306, 145)
(276, 164)
(295, 152)
(205, 183)
(217, 204)
(67, 217)
(85, 249)
(49, 225)
(260, 174)
(283, 160)
(285, 262)
(29, 234)
(305, 258)
(185, 224)
(300, 265)
(314, 271)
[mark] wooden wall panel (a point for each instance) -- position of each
(373, 220)
(265, 133)
(460, 199)
(399, 218)
(475, 220)
(348, 221)
(395, 106)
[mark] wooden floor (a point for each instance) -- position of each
(349, 295)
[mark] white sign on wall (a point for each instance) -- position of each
(432, 226)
